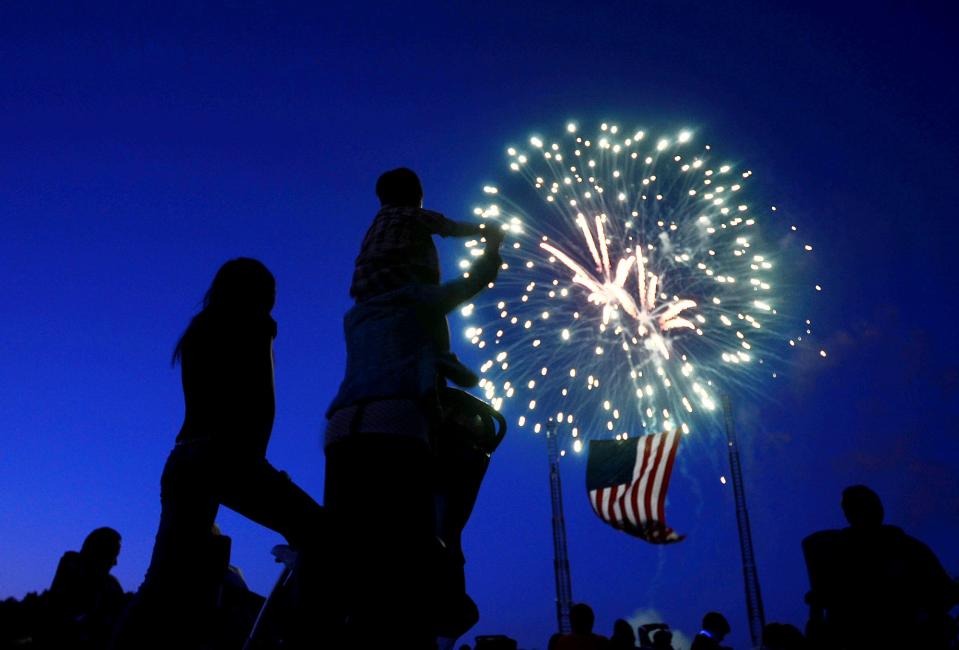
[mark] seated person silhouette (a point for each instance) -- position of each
(226, 357)
(782, 636)
(623, 637)
(581, 619)
(873, 585)
(84, 600)
(662, 640)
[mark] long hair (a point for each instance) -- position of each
(242, 288)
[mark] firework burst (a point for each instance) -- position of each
(636, 286)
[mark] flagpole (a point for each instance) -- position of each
(564, 588)
(754, 599)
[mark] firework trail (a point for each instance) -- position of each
(636, 287)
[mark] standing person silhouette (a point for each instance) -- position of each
(380, 460)
(226, 358)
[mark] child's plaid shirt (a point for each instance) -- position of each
(398, 250)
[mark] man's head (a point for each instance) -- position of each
(662, 639)
(716, 625)
(400, 187)
(862, 507)
(101, 549)
(581, 618)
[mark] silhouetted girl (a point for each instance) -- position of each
(226, 356)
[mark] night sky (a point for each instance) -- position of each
(143, 144)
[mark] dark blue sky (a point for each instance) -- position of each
(142, 144)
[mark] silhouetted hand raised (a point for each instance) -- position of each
(494, 237)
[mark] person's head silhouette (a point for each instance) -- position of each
(862, 507)
(101, 549)
(622, 630)
(400, 188)
(242, 285)
(782, 636)
(243, 290)
(662, 639)
(581, 618)
(716, 626)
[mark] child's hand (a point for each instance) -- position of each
(494, 237)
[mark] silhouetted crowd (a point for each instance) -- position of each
(873, 586)
(657, 636)
(380, 563)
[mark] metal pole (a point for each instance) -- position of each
(754, 599)
(564, 588)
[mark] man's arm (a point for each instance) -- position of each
(483, 271)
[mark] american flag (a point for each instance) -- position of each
(627, 482)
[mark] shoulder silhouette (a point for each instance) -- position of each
(870, 573)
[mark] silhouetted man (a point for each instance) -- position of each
(380, 460)
(581, 619)
(85, 599)
(714, 630)
(873, 585)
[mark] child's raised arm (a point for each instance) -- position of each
(437, 224)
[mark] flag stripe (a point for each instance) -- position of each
(629, 499)
(646, 480)
(611, 505)
(658, 468)
(637, 470)
(667, 473)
